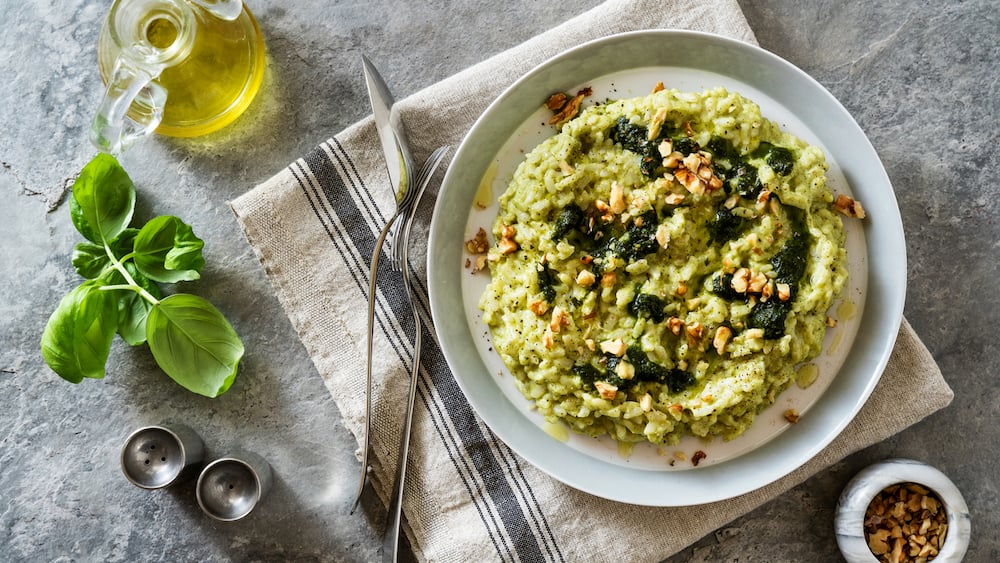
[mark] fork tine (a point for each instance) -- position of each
(397, 248)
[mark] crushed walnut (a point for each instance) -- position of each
(905, 522)
(849, 207)
(606, 390)
(506, 244)
(697, 457)
(566, 108)
(693, 171)
(792, 415)
(478, 244)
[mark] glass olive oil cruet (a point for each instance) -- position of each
(181, 68)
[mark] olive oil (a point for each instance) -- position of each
(212, 82)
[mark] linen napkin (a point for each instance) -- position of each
(469, 497)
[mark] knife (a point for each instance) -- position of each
(391, 133)
(399, 164)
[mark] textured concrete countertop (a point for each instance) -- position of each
(921, 79)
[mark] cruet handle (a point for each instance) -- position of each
(113, 130)
(228, 10)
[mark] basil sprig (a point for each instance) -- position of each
(190, 339)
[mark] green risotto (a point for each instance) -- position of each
(662, 265)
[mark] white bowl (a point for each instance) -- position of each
(859, 492)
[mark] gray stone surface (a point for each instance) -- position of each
(920, 78)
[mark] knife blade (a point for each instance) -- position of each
(391, 133)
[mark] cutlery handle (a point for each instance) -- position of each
(390, 542)
(373, 278)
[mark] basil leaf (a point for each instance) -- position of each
(91, 260)
(167, 250)
(194, 344)
(133, 309)
(103, 199)
(77, 338)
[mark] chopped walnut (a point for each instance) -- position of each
(480, 264)
(757, 282)
(849, 207)
(656, 123)
(741, 280)
(478, 244)
(784, 291)
(666, 148)
(792, 415)
(617, 200)
(585, 278)
(506, 244)
(762, 199)
(697, 457)
(682, 289)
(606, 390)
(831, 322)
(646, 402)
(609, 279)
(675, 325)
(570, 108)
(615, 347)
(674, 199)
(658, 87)
(722, 335)
(767, 291)
(538, 307)
(690, 181)
(662, 236)
(625, 370)
(673, 158)
(695, 330)
(560, 318)
(556, 101)
(905, 522)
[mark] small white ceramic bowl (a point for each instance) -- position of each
(859, 492)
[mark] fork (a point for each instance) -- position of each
(412, 197)
(390, 542)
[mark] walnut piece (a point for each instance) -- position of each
(849, 207)
(478, 244)
(606, 390)
(722, 335)
(507, 244)
(615, 347)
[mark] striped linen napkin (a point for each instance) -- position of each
(470, 497)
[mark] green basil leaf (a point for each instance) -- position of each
(103, 199)
(133, 309)
(91, 260)
(167, 250)
(194, 344)
(77, 338)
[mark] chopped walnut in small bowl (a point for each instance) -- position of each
(902, 511)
